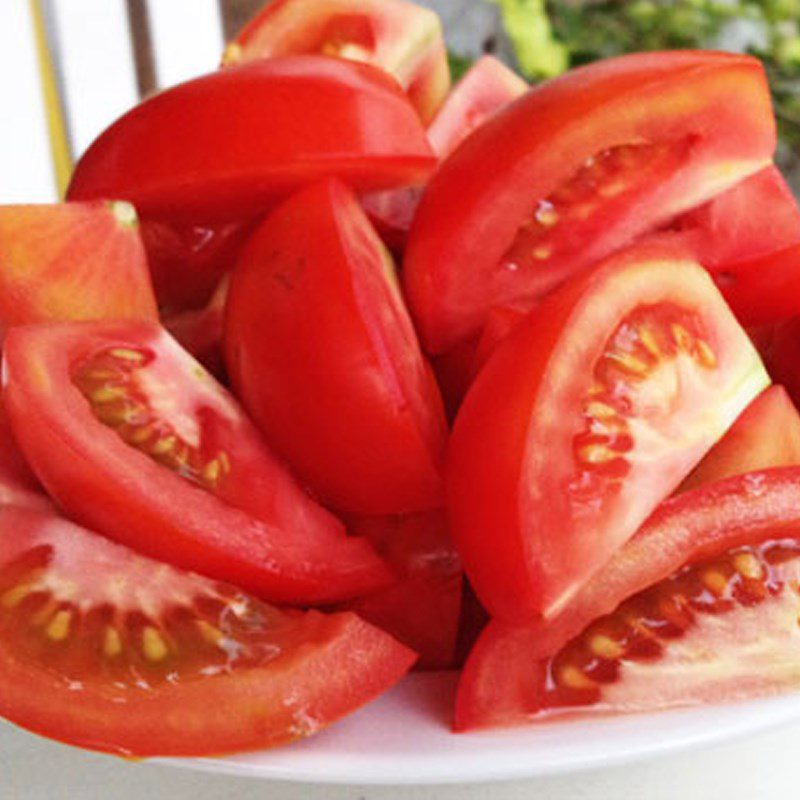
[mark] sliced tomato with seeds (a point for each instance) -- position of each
(322, 353)
(402, 38)
(726, 528)
(144, 446)
(588, 415)
(423, 606)
(487, 86)
(766, 434)
(72, 261)
(578, 168)
(109, 650)
(259, 132)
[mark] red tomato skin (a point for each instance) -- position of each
(259, 131)
(338, 664)
(752, 442)
(422, 608)
(497, 684)
(72, 261)
(287, 549)
(498, 434)
(479, 198)
(402, 38)
(323, 355)
(763, 290)
(756, 217)
(780, 345)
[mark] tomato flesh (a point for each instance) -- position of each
(499, 685)
(588, 415)
(422, 608)
(599, 156)
(753, 442)
(72, 261)
(402, 38)
(111, 651)
(259, 131)
(322, 353)
(145, 447)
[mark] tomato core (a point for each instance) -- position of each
(110, 382)
(646, 354)
(606, 186)
(641, 628)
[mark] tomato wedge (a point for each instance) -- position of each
(588, 415)
(258, 131)
(767, 434)
(402, 38)
(579, 167)
(727, 622)
(72, 261)
(422, 608)
(106, 649)
(487, 86)
(134, 439)
(749, 238)
(322, 353)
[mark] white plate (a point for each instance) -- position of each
(403, 738)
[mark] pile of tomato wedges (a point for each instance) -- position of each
(315, 332)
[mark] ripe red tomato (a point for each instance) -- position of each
(487, 87)
(766, 434)
(322, 353)
(579, 167)
(728, 618)
(780, 346)
(588, 415)
(422, 608)
(401, 38)
(258, 131)
(749, 239)
(106, 649)
(134, 439)
(72, 261)
(18, 485)
(187, 262)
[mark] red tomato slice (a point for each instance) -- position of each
(780, 345)
(589, 414)
(72, 261)
(109, 650)
(199, 331)
(487, 87)
(422, 608)
(579, 167)
(501, 684)
(764, 290)
(18, 485)
(767, 434)
(323, 355)
(401, 38)
(756, 217)
(258, 131)
(134, 439)
(749, 238)
(188, 262)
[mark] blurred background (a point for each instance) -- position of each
(93, 59)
